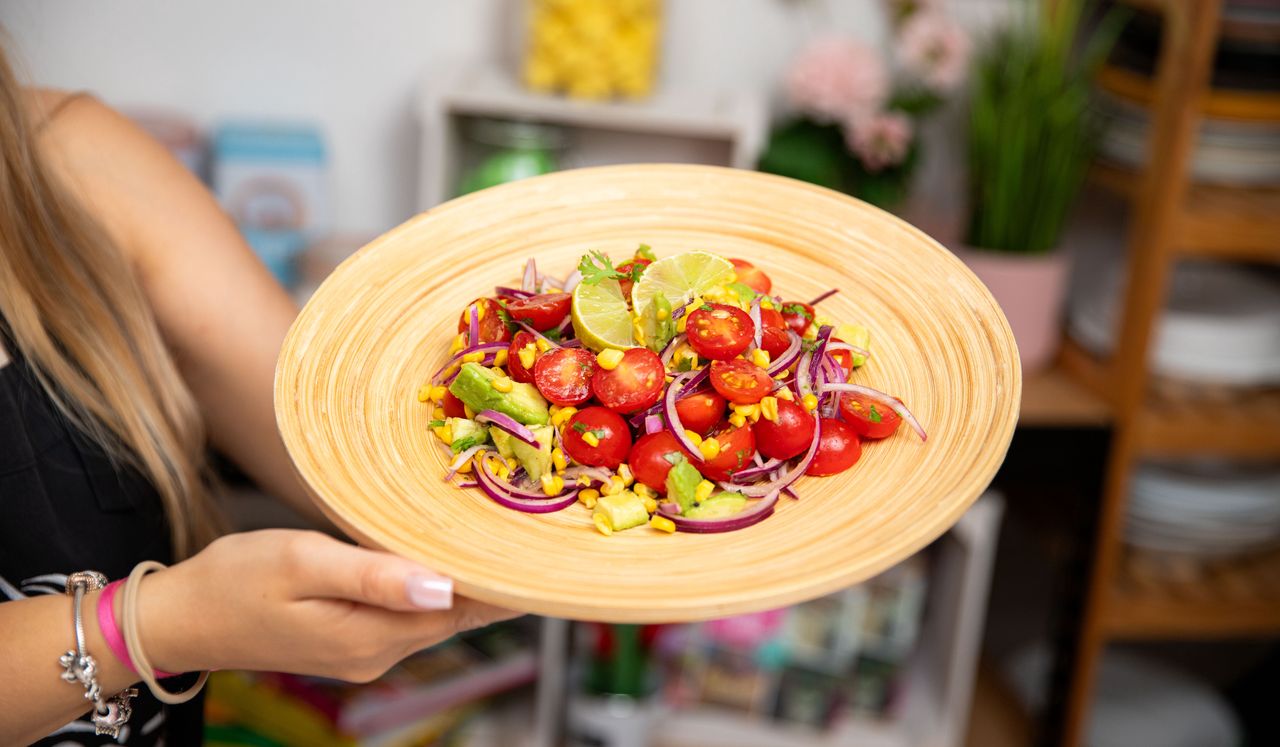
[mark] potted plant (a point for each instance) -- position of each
(1032, 135)
(856, 107)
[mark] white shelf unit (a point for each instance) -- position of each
(675, 125)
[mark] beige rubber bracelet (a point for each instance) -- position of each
(129, 626)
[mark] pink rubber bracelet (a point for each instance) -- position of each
(111, 631)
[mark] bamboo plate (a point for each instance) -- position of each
(348, 375)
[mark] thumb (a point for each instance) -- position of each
(379, 579)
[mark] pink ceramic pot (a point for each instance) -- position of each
(1031, 290)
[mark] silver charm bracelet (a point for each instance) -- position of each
(109, 714)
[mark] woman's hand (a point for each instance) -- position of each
(300, 602)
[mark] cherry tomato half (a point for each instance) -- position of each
(634, 384)
(613, 439)
(492, 328)
(628, 268)
(700, 412)
(514, 367)
(751, 276)
(870, 419)
(564, 375)
(775, 341)
(649, 459)
(798, 316)
(541, 312)
(719, 332)
(788, 437)
(737, 447)
(740, 381)
(453, 407)
(838, 449)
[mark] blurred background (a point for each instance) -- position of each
(1111, 170)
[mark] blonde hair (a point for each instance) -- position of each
(79, 317)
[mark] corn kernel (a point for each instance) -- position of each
(637, 330)
(437, 394)
(562, 416)
(602, 524)
(682, 324)
(613, 486)
(480, 307)
(644, 491)
(424, 393)
(528, 355)
(500, 357)
(466, 410)
(553, 408)
(624, 472)
(558, 460)
(503, 472)
(444, 432)
(552, 484)
(705, 488)
(609, 359)
(588, 497)
(542, 344)
(584, 480)
(710, 448)
(670, 379)
(650, 504)
(458, 344)
(512, 463)
(737, 420)
(769, 408)
(663, 314)
(497, 370)
(694, 437)
(810, 402)
(749, 411)
(466, 467)
(760, 357)
(766, 303)
(663, 524)
(501, 384)
(785, 393)
(590, 439)
(473, 357)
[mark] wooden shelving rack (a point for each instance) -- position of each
(1173, 219)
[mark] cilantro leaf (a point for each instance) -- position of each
(436, 423)
(637, 270)
(685, 364)
(874, 416)
(463, 444)
(705, 307)
(645, 252)
(552, 334)
(580, 427)
(797, 309)
(596, 268)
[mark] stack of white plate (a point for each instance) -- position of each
(1221, 324)
(1204, 510)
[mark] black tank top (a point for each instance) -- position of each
(65, 507)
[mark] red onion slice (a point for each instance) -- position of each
(670, 349)
(824, 296)
(762, 509)
(571, 282)
(653, 424)
(803, 383)
(750, 473)
(669, 409)
(786, 478)
(508, 424)
(529, 282)
(510, 497)
(473, 324)
(819, 350)
(842, 345)
(488, 348)
(461, 458)
(887, 400)
(598, 474)
(757, 325)
(502, 290)
(788, 356)
(563, 327)
(698, 377)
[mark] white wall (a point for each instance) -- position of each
(353, 67)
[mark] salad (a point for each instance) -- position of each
(677, 393)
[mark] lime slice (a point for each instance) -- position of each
(680, 277)
(601, 318)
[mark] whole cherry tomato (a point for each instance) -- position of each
(612, 439)
(651, 459)
(737, 447)
(838, 448)
(789, 436)
(701, 411)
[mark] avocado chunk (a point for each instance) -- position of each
(859, 337)
(718, 506)
(466, 433)
(621, 510)
(682, 484)
(474, 386)
(535, 460)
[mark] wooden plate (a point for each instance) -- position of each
(348, 376)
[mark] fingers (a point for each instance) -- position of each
(329, 568)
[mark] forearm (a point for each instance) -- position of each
(34, 699)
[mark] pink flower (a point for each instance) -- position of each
(935, 49)
(880, 140)
(835, 78)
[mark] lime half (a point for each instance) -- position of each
(680, 278)
(601, 318)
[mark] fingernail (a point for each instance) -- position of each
(429, 592)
